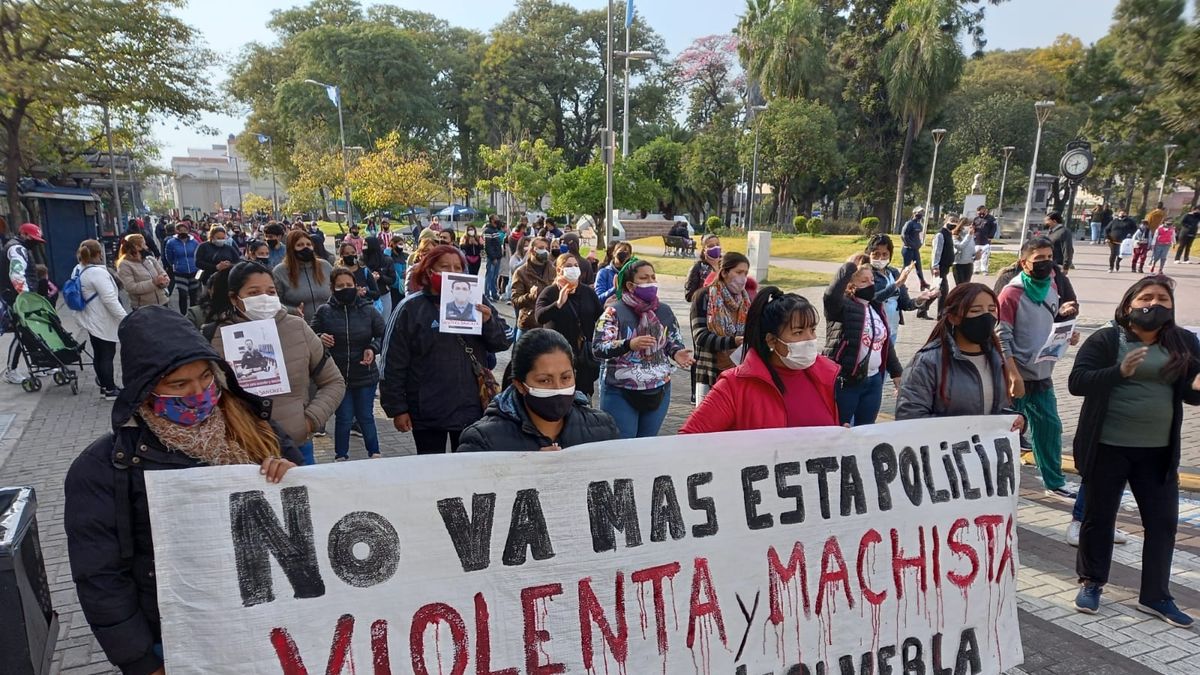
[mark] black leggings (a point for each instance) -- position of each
(1184, 248)
(103, 353)
(433, 441)
(1114, 256)
(962, 272)
(1152, 481)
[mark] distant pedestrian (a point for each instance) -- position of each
(986, 229)
(912, 239)
(1141, 247)
(101, 315)
(1164, 238)
(1188, 228)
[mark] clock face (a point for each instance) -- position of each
(1076, 163)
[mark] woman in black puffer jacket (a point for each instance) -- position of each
(352, 330)
(541, 409)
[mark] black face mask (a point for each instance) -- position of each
(866, 293)
(349, 260)
(181, 236)
(1042, 269)
(1152, 317)
(306, 254)
(550, 408)
(273, 243)
(979, 329)
(345, 296)
(263, 261)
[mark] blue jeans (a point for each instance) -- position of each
(491, 278)
(1095, 233)
(1077, 511)
(306, 451)
(357, 404)
(913, 255)
(858, 403)
(630, 422)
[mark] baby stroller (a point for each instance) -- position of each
(49, 348)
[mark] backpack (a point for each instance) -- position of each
(72, 292)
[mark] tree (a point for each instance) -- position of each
(785, 50)
(922, 64)
(707, 69)
(64, 54)
(318, 175)
(662, 160)
(990, 167)
(522, 169)
(252, 203)
(391, 176)
(581, 190)
(710, 163)
(1181, 77)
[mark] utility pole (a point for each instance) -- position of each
(112, 168)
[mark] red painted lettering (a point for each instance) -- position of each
(339, 652)
(989, 525)
(591, 611)
(432, 614)
(702, 583)
(780, 576)
(829, 576)
(380, 658)
(483, 641)
(289, 655)
(900, 563)
(1006, 556)
(535, 637)
(960, 549)
(868, 540)
(656, 575)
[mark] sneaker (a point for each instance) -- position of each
(1026, 445)
(1120, 536)
(341, 459)
(1167, 611)
(375, 456)
(1073, 533)
(355, 431)
(1087, 600)
(1062, 493)
(320, 433)
(14, 376)
(110, 394)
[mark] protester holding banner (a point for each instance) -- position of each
(246, 292)
(718, 320)
(181, 407)
(536, 274)
(434, 384)
(352, 330)
(783, 381)
(302, 278)
(571, 308)
(639, 338)
(542, 408)
(858, 339)
(1029, 306)
(1141, 367)
(960, 371)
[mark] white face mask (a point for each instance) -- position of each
(879, 264)
(801, 354)
(571, 274)
(260, 307)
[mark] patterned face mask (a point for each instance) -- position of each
(188, 410)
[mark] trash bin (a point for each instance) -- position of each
(30, 624)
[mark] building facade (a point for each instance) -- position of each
(213, 179)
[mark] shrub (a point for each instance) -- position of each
(799, 223)
(869, 225)
(713, 222)
(815, 226)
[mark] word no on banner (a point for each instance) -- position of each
(882, 549)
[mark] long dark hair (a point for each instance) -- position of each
(1172, 338)
(958, 303)
(771, 310)
(729, 261)
(228, 282)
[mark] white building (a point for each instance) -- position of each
(212, 179)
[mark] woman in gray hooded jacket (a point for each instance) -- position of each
(960, 371)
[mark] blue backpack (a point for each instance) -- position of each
(72, 292)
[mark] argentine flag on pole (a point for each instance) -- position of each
(629, 14)
(262, 138)
(332, 91)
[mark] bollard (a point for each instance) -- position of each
(30, 624)
(758, 250)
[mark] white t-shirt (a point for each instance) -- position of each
(984, 366)
(871, 343)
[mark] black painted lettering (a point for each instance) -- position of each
(968, 661)
(911, 657)
(784, 471)
(527, 531)
(706, 504)
(820, 467)
(664, 511)
(963, 448)
(883, 459)
(852, 487)
(472, 536)
(910, 476)
(886, 654)
(987, 465)
(612, 509)
(752, 497)
(383, 549)
(1006, 480)
(936, 496)
(257, 535)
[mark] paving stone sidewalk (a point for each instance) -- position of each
(50, 428)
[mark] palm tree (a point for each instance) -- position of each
(784, 49)
(922, 63)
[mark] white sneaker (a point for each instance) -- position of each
(1073, 533)
(13, 376)
(1120, 536)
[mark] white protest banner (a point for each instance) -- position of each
(798, 551)
(255, 352)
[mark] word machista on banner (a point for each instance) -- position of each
(882, 549)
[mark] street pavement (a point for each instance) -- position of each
(42, 433)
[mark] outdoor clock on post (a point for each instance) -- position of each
(1077, 161)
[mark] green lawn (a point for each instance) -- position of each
(779, 276)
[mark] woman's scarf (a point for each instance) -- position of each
(648, 323)
(726, 310)
(1036, 289)
(207, 441)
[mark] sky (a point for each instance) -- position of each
(1016, 24)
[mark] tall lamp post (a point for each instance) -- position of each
(754, 169)
(237, 173)
(638, 55)
(336, 95)
(1168, 150)
(607, 136)
(1041, 109)
(938, 135)
(263, 138)
(1008, 150)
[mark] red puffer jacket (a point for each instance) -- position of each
(746, 398)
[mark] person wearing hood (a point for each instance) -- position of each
(960, 370)
(718, 320)
(181, 407)
(431, 381)
(638, 338)
(379, 267)
(302, 278)
(782, 382)
(536, 274)
(101, 315)
(216, 254)
(246, 292)
(858, 338)
(352, 330)
(541, 409)
(571, 309)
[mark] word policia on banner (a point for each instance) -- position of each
(882, 549)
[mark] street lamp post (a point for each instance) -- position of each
(938, 135)
(112, 168)
(1008, 150)
(336, 94)
(263, 138)
(606, 144)
(1041, 109)
(1168, 150)
(639, 55)
(237, 173)
(754, 169)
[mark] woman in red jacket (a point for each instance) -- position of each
(783, 380)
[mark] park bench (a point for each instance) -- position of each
(683, 247)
